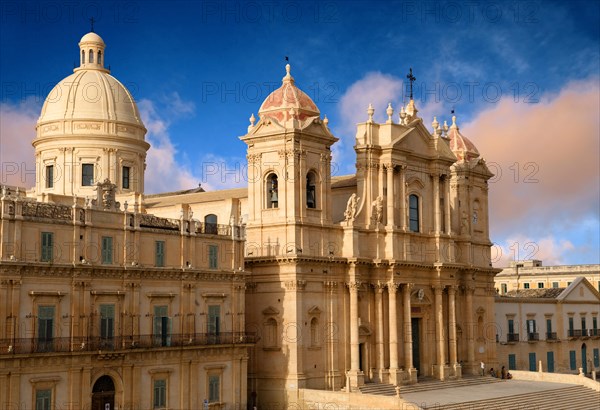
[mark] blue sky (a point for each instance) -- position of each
(510, 70)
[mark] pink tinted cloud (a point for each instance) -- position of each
(545, 157)
(17, 131)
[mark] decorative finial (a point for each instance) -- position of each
(411, 79)
(92, 24)
(445, 128)
(252, 120)
(325, 120)
(454, 122)
(435, 124)
(370, 112)
(389, 112)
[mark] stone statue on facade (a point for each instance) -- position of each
(351, 208)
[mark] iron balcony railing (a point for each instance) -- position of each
(512, 337)
(575, 332)
(533, 336)
(119, 343)
(551, 336)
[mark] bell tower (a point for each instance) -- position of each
(289, 174)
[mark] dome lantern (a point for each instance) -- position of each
(91, 52)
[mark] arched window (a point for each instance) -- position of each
(82, 57)
(99, 57)
(210, 224)
(91, 59)
(272, 191)
(413, 213)
(271, 333)
(314, 332)
(311, 190)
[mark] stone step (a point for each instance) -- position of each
(572, 398)
(448, 384)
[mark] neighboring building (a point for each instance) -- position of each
(377, 276)
(557, 326)
(530, 274)
(102, 305)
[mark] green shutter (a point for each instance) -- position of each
(43, 399)
(47, 246)
(214, 319)
(573, 359)
(532, 362)
(160, 254)
(213, 260)
(550, 359)
(107, 250)
(512, 362)
(107, 320)
(511, 326)
(160, 393)
(596, 358)
(162, 326)
(213, 389)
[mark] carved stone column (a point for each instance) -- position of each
(356, 376)
(436, 203)
(408, 360)
(379, 288)
(390, 195)
(393, 324)
(439, 331)
(469, 291)
(402, 171)
(452, 331)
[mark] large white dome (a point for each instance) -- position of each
(90, 94)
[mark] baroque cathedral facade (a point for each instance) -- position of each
(241, 297)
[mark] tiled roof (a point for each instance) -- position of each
(547, 293)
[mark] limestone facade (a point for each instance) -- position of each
(558, 327)
(380, 276)
(102, 305)
(531, 274)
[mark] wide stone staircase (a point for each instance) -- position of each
(566, 398)
(425, 384)
(570, 397)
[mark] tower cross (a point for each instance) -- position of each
(412, 79)
(92, 24)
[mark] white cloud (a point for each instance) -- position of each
(17, 131)
(551, 250)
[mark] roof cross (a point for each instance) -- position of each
(92, 24)
(412, 79)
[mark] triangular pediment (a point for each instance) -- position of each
(270, 311)
(581, 290)
(314, 311)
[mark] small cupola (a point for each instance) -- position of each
(91, 52)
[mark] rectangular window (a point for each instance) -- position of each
(573, 359)
(583, 327)
(413, 213)
(504, 288)
(214, 319)
(550, 360)
(43, 399)
(554, 284)
(50, 176)
(512, 362)
(45, 328)
(47, 246)
(595, 325)
(571, 325)
(532, 362)
(540, 285)
(511, 326)
(160, 394)
(87, 174)
(107, 250)
(107, 321)
(159, 256)
(125, 177)
(596, 358)
(526, 286)
(549, 325)
(214, 389)
(213, 256)
(162, 326)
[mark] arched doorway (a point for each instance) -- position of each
(103, 394)
(584, 358)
